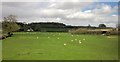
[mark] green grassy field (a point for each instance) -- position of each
(51, 46)
(0, 50)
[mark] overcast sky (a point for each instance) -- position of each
(70, 13)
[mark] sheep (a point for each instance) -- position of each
(37, 37)
(65, 44)
(72, 40)
(48, 37)
(80, 42)
(58, 38)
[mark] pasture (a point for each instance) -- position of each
(59, 46)
(0, 50)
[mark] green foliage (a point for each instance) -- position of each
(23, 26)
(112, 33)
(44, 27)
(81, 31)
(9, 24)
(9, 27)
(92, 31)
(78, 31)
(102, 26)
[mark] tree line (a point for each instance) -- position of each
(53, 27)
(10, 24)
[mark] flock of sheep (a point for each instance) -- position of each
(79, 41)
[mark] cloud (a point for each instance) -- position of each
(67, 12)
(48, 0)
(81, 15)
(104, 9)
(0, 11)
(88, 11)
(69, 5)
(29, 20)
(109, 21)
(28, 10)
(52, 12)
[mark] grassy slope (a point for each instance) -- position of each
(0, 43)
(27, 47)
(0, 50)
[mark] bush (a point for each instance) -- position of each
(112, 33)
(81, 31)
(91, 31)
(78, 31)
(3, 36)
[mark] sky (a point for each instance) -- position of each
(74, 12)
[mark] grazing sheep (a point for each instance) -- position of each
(58, 38)
(72, 40)
(80, 42)
(48, 37)
(37, 37)
(103, 34)
(65, 44)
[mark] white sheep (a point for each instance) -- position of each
(48, 37)
(72, 40)
(58, 38)
(80, 42)
(65, 44)
(37, 37)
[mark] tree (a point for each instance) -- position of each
(102, 26)
(118, 26)
(89, 26)
(9, 24)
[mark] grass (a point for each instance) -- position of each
(0, 45)
(0, 50)
(47, 46)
